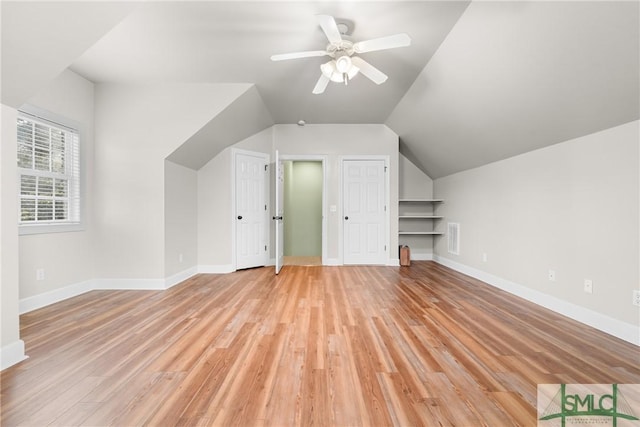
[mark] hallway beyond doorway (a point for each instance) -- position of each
(303, 260)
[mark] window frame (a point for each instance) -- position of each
(47, 118)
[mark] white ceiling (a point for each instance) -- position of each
(41, 39)
(512, 77)
(480, 82)
(232, 42)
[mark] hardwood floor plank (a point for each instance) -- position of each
(194, 384)
(400, 410)
(148, 400)
(445, 407)
(283, 405)
(264, 388)
(111, 408)
(240, 406)
(76, 415)
(330, 346)
(63, 402)
(363, 363)
(341, 386)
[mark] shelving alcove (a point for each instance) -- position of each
(417, 217)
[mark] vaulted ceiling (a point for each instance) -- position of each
(480, 82)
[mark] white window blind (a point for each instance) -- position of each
(49, 169)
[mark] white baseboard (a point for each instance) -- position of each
(146, 284)
(393, 262)
(11, 354)
(216, 269)
(180, 277)
(615, 327)
(332, 261)
(421, 257)
(35, 302)
(129, 284)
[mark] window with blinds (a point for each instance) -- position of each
(49, 169)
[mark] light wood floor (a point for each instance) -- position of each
(303, 260)
(314, 346)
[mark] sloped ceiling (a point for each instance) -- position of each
(481, 81)
(209, 41)
(512, 77)
(245, 116)
(41, 39)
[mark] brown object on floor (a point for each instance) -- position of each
(328, 346)
(405, 256)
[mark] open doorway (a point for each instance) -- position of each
(303, 212)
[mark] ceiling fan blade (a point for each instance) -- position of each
(375, 75)
(296, 55)
(328, 25)
(323, 81)
(389, 42)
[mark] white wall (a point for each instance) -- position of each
(571, 207)
(214, 212)
(214, 191)
(413, 182)
(11, 347)
(342, 140)
(181, 218)
(214, 205)
(67, 258)
(137, 127)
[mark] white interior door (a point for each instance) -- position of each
(364, 212)
(251, 214)
(279, 211)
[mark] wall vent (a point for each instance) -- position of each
(453, 238)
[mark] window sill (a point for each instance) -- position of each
(27, 229)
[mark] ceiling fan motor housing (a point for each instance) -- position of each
(342, 46)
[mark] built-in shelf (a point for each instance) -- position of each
(421, 200)
(417, 218)
(418, 233)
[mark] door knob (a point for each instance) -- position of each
(346, 217)
(239, 216)
(277, 218)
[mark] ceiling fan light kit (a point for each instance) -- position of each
(344, 65)
(339, 71)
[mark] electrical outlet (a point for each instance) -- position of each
(636, 297)
(40, 274)
(552, 275)
(588, 286)
(484, 257)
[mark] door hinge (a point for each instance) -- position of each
(385, 208)
(265, 248)
(265, 207)
(385, 248)
(385, 168)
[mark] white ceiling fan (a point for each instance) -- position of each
(344, 65)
